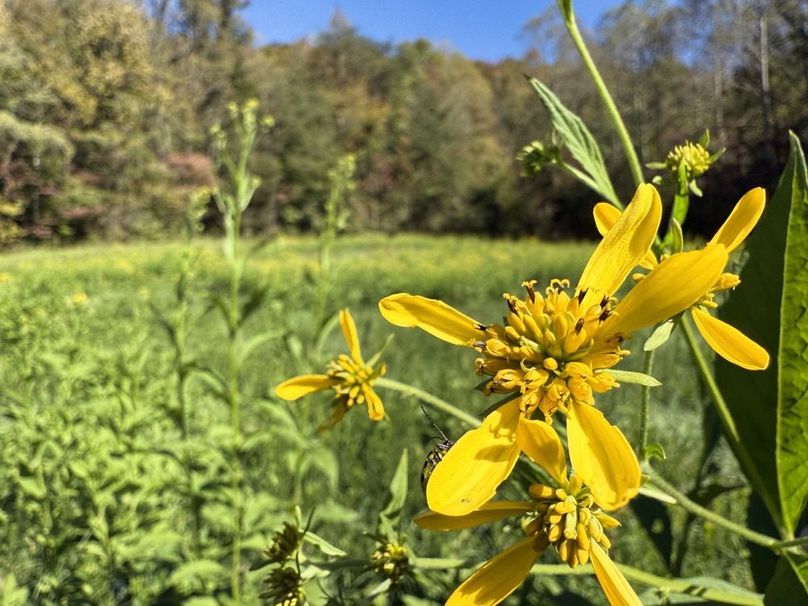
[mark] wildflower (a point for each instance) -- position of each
(391, 561)
(726, 340)
(553, 353)
(694, 156)
(79, 298)
(284, 544)
(284, 587)
(566, 515)
(536, 155)
(349, 376)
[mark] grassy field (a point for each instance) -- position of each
(107, 498)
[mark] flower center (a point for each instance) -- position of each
(351, 379)
(391, 560)
(568, 519)
(549, 348)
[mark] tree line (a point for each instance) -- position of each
(106, 106)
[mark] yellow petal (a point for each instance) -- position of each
(730, 343)
(741, 220)
(625, 245)
(677, 283)
(375, 407)
(489, 512)
(606, 215)
(468, 475)
(612, 581)
(498, 577)
(349, 331)
(433, 316)
(540, 442)
(297, 387)
(601, 456)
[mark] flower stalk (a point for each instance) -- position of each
(565, 6)
(645, 404)
(232, 201)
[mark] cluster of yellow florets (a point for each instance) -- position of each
(569, 520)
(549, 348)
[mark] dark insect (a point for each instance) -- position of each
(435, 455)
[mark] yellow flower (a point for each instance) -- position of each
(566, 516)
(349, 376)
(726, 340)
(79, 298)
(694, 156)
(554, 352)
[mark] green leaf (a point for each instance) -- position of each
(654, 451)
(770, 408)
(789, 585)
(637, 378)
(704, 140)
(792, 406)
(691, 591)
(325, 331)
(677, 237)
(13, 594)
(324, 546)
(660, 335)
(377, 356)
(390, 515)
(578, 140)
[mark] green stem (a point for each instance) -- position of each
(429, 399)
(696, 509)
(234, 396)
(648, 368)
(792, 543)
(628, 147)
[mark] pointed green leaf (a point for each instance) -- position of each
(637, 378)
(660, 335)
(677, 237)
(323, 545)
(792, 406)
(390, 515)
(579, 141)
(654, 451)
(770, 408)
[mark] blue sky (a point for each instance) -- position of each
(480, 29)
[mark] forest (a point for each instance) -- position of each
(106, 108)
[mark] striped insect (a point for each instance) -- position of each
(435, 455)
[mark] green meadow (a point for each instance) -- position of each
(110, 497)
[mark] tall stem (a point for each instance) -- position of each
(628, 147)
(233, 392)
(648, 368)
